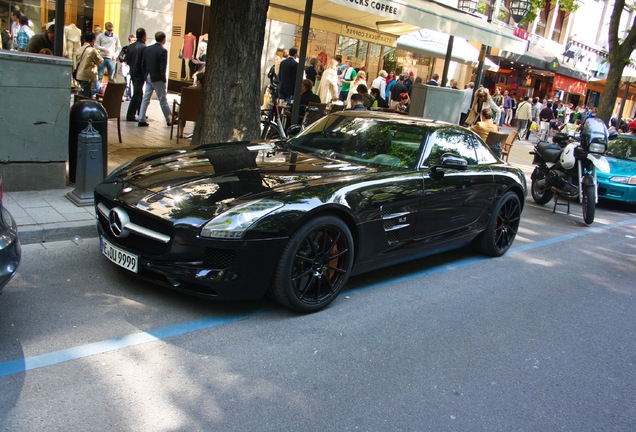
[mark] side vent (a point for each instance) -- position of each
(173, 75)
(177, 31)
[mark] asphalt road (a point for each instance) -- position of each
(541, 339)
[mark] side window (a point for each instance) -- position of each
(484, 154)
(451, 141)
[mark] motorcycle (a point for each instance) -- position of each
(567, 168)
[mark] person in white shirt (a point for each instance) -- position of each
(466, 103)
(380, 82)
(109, 46)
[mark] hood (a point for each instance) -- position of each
(619, 167)
(206, 181)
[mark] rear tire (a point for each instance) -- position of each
(589, 203)
(314, 266)
(502, 227)
(541, 193)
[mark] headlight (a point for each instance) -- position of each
(624, 180)
(597, 148)
(233, 223)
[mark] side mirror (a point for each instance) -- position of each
(449, 160)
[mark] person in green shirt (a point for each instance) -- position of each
(346, 79)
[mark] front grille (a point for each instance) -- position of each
(218, 258)
(134, 241)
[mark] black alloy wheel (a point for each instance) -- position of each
(502, 227)
(315, 265)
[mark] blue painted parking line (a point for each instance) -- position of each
(75, 353)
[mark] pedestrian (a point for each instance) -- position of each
(507, 105)
(545, 117)
(134, 56)
(346, 79)
(524, 117)
(15, 27)
(486, 125)
(287, 75)
(396, 90)
(311, 72)
(357, 103)
(124, 69)
(433, 80)
(361, 78)
(408, 82)
(380, 82)
(378, 100)
(328, 87)
(367, 99)
(108, 45)
(403, 103)
(42, 40)
(467, 95)
(482, 100)
(498, 98)
(24, 34)
(88, 60)
(154, 64)
(536, 107)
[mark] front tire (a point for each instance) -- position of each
(541, 192)
(502, 227)
(589, 203)
(314, 266)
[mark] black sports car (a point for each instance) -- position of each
(353, 192)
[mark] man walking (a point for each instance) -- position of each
(287, 75)
(108, 45)
(133, 59)
(154, 63)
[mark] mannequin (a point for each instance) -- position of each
(188, 51)
(203, 46)
(72, 36)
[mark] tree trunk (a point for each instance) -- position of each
(618, 58)
(230, 108)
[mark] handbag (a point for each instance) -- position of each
(181, 53)
(533, 126)
(79, 62)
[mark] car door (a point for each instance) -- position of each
(454, 199)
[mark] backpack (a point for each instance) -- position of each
(122, 54)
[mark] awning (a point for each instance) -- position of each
(434, 44)
(535, 57)
(374, 18)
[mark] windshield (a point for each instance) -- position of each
(622, 148)
(363, 140)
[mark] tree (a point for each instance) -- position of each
(231, 100)
(618, 58)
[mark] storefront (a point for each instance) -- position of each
(79, 17)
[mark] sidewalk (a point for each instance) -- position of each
(48, 215)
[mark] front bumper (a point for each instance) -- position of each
(10, 249)
(208, 268)
(616, 191)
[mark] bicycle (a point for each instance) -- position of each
(271, 119)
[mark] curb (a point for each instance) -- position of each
(31, 234)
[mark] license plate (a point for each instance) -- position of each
(119, 256)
